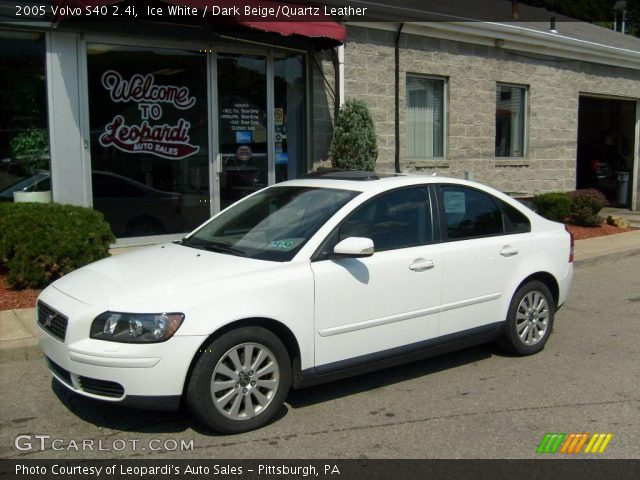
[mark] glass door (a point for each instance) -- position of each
(242, 126)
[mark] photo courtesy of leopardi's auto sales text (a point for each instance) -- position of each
(339, 239)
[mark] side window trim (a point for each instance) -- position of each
(317, 255)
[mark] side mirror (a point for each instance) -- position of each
(354, 247)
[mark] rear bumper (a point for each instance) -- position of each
(565, 285)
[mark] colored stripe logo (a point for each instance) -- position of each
(574, 443)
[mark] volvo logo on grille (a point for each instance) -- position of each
(48, 318)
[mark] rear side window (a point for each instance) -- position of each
(514, 220)
(470, 213)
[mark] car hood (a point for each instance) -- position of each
(152, 271)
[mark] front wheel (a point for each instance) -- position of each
(529, 320)
(240, 380)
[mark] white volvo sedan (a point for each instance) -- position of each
(304, 282)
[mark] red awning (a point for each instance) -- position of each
(330, 30)
(293, 19)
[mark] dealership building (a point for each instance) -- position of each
(162, 121)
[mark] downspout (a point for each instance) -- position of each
(341, 75)
(338, 76)
(397, 112)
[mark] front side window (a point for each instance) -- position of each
(425, 117)
(470, 213)
(273, 224)
(510, 120)
(398, 219)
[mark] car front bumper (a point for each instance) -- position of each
(139, 375)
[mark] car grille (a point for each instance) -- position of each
(59, 371)
(101, 387)
(53, 322)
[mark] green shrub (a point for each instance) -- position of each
(555, 206)
(31, 149)
(42, 242)
(354, 144)
(585, 207)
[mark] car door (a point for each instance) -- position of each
(390, 300)
(481, 253)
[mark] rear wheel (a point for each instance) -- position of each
(529, 320)
(240, 381)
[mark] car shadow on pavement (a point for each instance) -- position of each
(116, 417)
(382, 378)
(126, 419)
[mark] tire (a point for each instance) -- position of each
(244, 399)
(529, 319)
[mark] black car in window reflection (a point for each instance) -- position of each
(132, 208)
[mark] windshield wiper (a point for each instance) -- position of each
(212, 246)
(221, 247)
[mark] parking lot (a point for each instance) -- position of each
(479, 403)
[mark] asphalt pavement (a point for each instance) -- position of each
(477, 403)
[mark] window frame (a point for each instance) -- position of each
(445, 116)
(525, 124)
(442, 219)
(318, 255)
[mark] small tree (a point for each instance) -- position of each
(354, 144)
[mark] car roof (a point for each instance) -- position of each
(373, 182)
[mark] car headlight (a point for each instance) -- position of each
(135, 327)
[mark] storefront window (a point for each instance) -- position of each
(24, 139)
(289, 117)
(149, 138)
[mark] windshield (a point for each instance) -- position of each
(273, 224)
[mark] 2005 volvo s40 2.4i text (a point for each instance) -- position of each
(304, 282)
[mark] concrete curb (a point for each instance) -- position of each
(18, 335)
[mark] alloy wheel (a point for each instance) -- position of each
(532, 317)
(245, 381)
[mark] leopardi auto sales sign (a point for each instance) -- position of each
(149, 136)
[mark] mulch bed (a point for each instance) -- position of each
(13, 299)
(583, 233)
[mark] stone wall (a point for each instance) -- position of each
(471, 72)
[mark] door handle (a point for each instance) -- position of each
(420, 265)
(508, 251)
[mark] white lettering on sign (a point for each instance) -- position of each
(143, 88)
(166, 141)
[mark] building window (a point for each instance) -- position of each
(24, 138)
(510, 120)
(425, 117)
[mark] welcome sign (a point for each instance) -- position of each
(148, 136)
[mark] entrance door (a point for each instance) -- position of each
(242, 126)
(606, 144)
